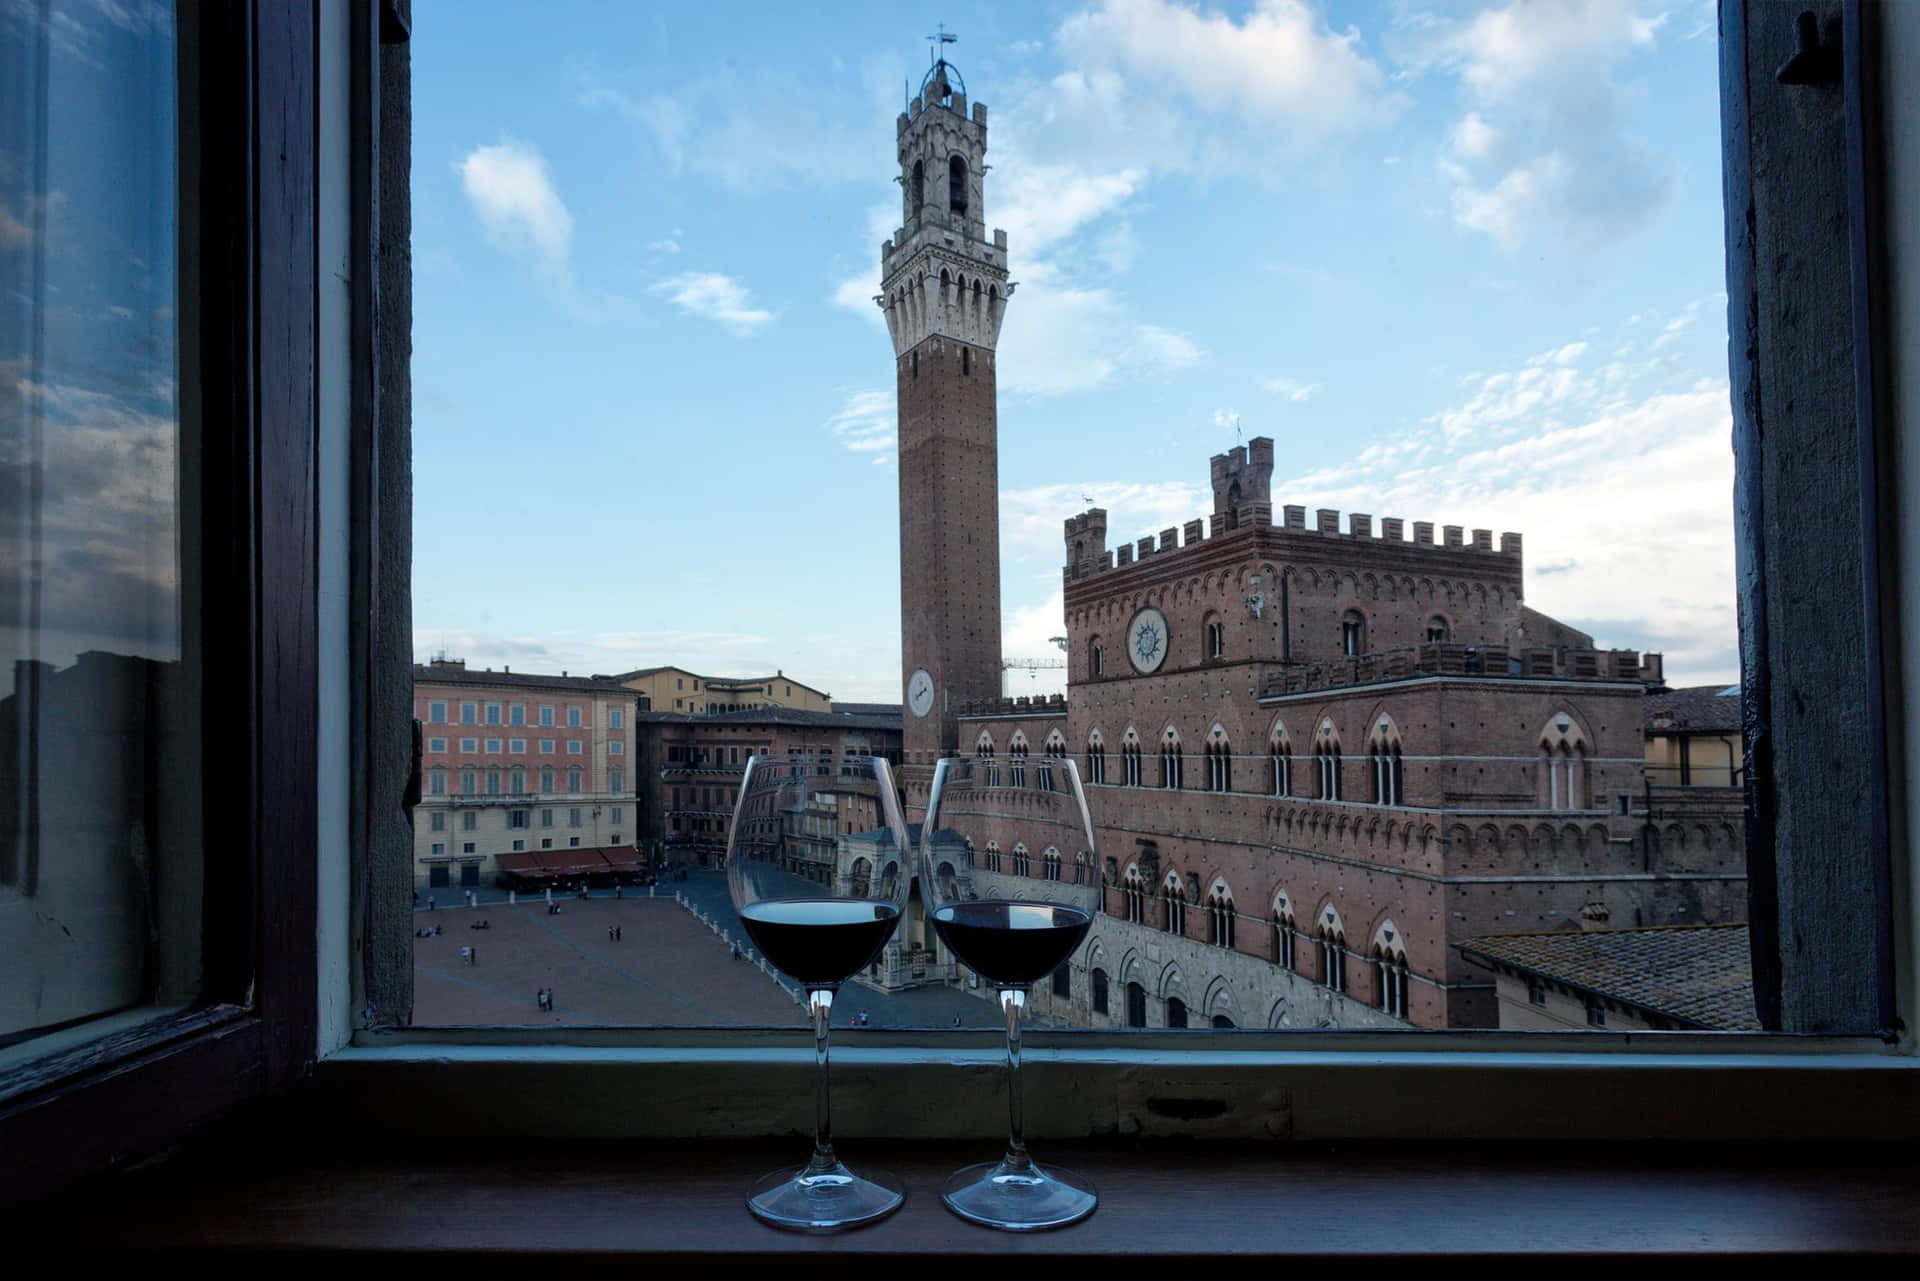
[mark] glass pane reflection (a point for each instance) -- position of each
(100, 870)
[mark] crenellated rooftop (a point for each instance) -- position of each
(1090, 528)
(1241, 479)
(1044, 705)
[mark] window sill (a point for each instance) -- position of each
(574, 1208)
(737, 1084)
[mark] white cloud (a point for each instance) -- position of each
(856, 294)
(667, 246)
(1031, 520)
(1057, 338)
(1291, 388)
(866, 424)
(738, 126)
(1543, 148)
(1575, 457)
(1163, 349)
(1473, 138)
(1027, 632)
(1041, 205)
(509, 188)
(1281, 66)
(718, 298)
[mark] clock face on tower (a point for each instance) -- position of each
(920, 692)
(1147, 640)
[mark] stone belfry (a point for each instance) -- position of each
(944, 290)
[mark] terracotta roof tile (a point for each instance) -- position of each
(1699, 974)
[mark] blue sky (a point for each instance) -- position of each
(1463, 263)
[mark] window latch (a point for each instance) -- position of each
(1815, 61)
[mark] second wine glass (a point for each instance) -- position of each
(820, 907)
(1009, 875)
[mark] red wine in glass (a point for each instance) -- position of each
(1011, 944)
(822, 940)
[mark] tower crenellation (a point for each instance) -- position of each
(940, 273)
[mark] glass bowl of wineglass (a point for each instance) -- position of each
(1008, 876)
(819, 906)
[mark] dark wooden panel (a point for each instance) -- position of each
(1817, 830)
(1166, 1210)
(287, 619)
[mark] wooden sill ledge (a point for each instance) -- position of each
(534, 1209)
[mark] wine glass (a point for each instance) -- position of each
(1009, 874)
(820, 906)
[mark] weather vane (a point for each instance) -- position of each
(943, 36)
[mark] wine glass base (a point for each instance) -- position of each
(998, 1196)
(807, 1200)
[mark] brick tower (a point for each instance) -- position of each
(944, 290)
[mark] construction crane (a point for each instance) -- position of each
(1034, 666)
(1031, 665)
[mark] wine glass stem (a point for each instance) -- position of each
(820, 1006)
(1013, 1003)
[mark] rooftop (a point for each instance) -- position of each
(456, 672)
(1700, 974)
(888, 718)
(1694, 709)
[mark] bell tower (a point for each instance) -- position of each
(944, 290)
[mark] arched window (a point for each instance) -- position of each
(1281, 751)
(1333, 952)
(1221, 1020)
(1099, 991)
(573, 782)
(1017, 758)
(1096, 660)
(1096, 759)
(1284, 932)
(1174, 896)
(1136, 1005)
(1383, 754)
(1220, 916)
(1392, 974)
(957, 186)
(992, 856)
(517, 780)
(437, 782)
(983, 748)
(546, 780)
(1215, 641)
(1438, 633)
(1219, 761)
(1353, 633)
(1172, 761)
(1326, 754)
(1134, 890)
(1563, 781)
(1050, 864)
(1022, 866)
(469, 783)
(1176, 1012)
(919, 192)
(862, 876)
(1130, 762)
(1063, 981)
